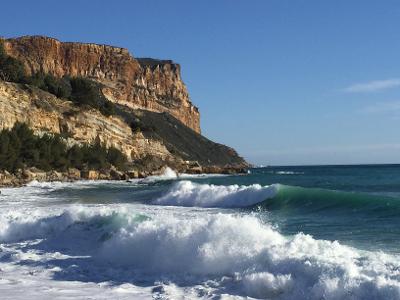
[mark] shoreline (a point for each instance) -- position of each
(23, 177)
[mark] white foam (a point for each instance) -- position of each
(288, 173)
(168, 174)
(202, 175)
(187, 193)
(114, 252)
(261, 262)
(79, 184)
(236, 254)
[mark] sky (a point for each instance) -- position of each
(284, 82)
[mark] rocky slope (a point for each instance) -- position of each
(155, 123)
(154, 85)
(161, 136)
(44, 112)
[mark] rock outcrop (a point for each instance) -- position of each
(146, 92)
(44, 112)
(149, 84)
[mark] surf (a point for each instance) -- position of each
(274, 197)
(200, 253)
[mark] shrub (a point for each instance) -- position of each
(95, 156)
(59, 87)
(20, 148)
(138, 126)
(116, 158)
(86, 92)
(11, 69)
(108, 108)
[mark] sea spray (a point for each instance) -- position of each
(239, 253)
(109, 240)
(187, 193)
(168, 174)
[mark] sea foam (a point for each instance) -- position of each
(172, 252)
(217, 253)
(187, 193)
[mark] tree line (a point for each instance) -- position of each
(21, 148)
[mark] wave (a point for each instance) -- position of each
(187, 193)
(322, 200)
(221, 253)
(79, 184)
(288, 173)
(275, 197)
(169, 174)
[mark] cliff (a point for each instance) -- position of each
(153, 85)
(44, 112)
(162, 139)
(153, 123)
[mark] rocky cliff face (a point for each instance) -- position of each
(154, 124)
(44, 112)
(166, 141)
(149, 84)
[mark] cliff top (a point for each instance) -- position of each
(145, 83)
(143, 61)
(54, 40)
(153, 63)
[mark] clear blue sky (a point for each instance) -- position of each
(284, 82)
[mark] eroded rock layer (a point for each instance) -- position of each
(44, 112)
(149, 84)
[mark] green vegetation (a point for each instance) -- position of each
(59, 87)
(11, 69)
(81, 91)
(20, 148)
(88, 93)
(138, 126)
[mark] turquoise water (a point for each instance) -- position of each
(356, 205)
(321, 232)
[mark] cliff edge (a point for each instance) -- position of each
(149, 84)
(152, 120)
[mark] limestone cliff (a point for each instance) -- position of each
(154, 122)
(149, 84)
(163, 140)
(44, 112)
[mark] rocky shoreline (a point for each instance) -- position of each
(23, 176)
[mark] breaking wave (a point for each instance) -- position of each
(187, 193)
(218, 253)
(275, 197)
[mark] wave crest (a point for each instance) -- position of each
(224, 253)
(187, 193)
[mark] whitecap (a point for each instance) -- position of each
(187, 193)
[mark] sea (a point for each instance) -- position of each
(299, 232)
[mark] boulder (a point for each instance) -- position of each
(34, 174)
(40, 176)
(103, 176)
(28, 174)
(54, 176)
(133, 174)
(90, 175)
(74, 174)
(116, 175)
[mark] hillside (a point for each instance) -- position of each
(155, 86)
(148, 117)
